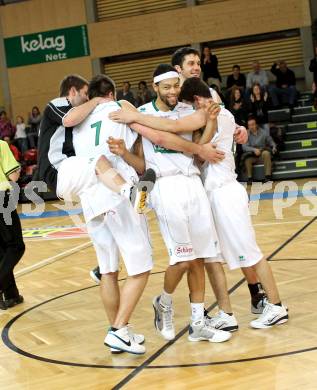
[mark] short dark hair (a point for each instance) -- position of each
(236, 66)
(72, 80)
(142, 82)
(179, 56)
(101, 85)
(194, 86)
(251, 117)
(163, 68)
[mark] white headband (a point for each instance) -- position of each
(164, 76)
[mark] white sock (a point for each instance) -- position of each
(166, 299)
(197, 311)
(125, 190)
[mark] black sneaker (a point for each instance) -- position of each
(249, 181)
(267, 179)
(14, 301)
(95, 275)
(139, 192)
(3, 305)
(258, 303)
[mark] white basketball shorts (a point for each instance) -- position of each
(122, 230)
(185, 218)
(229, 204)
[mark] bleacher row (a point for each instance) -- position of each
(299, 157)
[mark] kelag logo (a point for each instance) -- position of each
(47, 46)
(57, 43)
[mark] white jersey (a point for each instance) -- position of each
(167, 162)
(90, 137)
(224, 171)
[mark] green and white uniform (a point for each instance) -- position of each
(112, 223)
(178, 197)
(229, 202)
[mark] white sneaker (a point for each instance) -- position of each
(272, 315)
(199, 331)
(121, 340)
(223, 321)
(163, 320)
(138, 338)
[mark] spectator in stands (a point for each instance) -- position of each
(237, 106)
(259, 148)
(144, 94)
(6, 127)
(15, 151)
(313, 68)
(209, 67)
(259, 107)
(236, 79)
(285, 89)
(125, 93)
(20, 139)
(258, 76)
(238, 109)
(34, 121)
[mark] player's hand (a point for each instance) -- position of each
(123, 116)
(209, 152)
(241, 135)
(117, 146)
(257, 152)
(214, 110)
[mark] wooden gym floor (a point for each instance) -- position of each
(55, 339)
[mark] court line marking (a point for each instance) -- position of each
(154, 356)
(52, 259)
(6, 340)
(294, 259)
(9, 344)
(279, 223)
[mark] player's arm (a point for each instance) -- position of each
(208, 133)
(8, 163)
(211, 126)
(77, 114)
(186, 124)
(134, 158)
(174, 142)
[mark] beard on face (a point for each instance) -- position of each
(165, 100)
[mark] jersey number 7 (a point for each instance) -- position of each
(97, 125)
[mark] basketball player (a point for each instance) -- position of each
(186, 61)
(229, 203)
